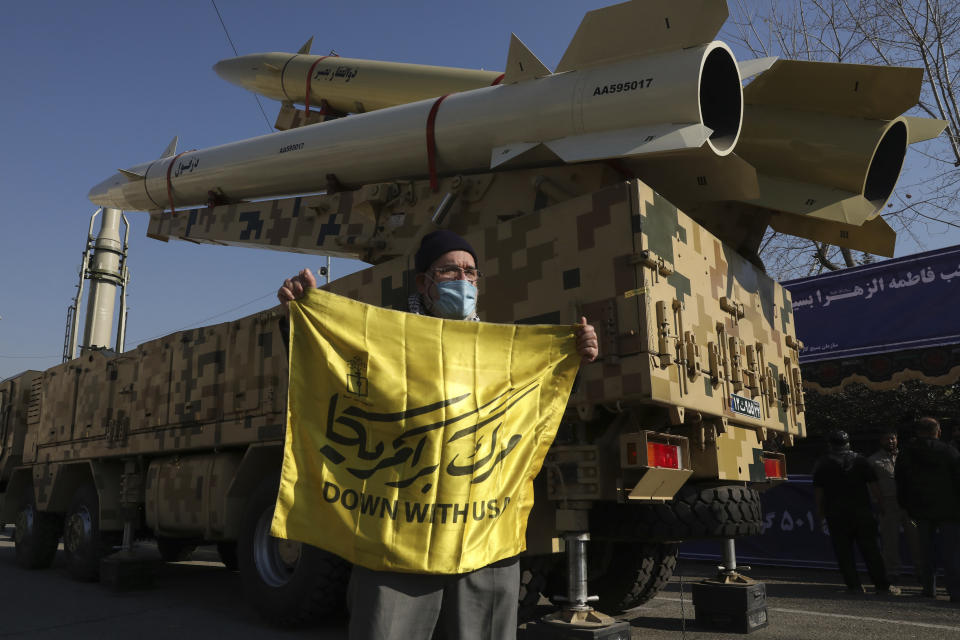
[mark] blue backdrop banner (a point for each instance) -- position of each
(905, 303)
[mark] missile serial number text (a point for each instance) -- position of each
(291, 147)
(620, 87)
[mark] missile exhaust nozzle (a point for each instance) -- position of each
(721, 100)
(886, 164)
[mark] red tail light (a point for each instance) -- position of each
(663, 455)
(773, 467)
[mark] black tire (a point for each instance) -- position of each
(535, 576)
(289, 583)
(695, 512)
(83, 542)
(175, 550)
(626, 575)
(228, 555)
(36, 535)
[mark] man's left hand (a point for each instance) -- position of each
(587, 345)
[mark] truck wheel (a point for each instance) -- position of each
(694, 513)
(83, 542)
(36, 535)
(174, 550)
(289, 583)
(535, 575)
(626, 575)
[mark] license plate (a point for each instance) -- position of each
(744, 406)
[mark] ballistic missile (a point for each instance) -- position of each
(627, 87)
(346, 85)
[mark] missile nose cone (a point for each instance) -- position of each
(235, 70)
(257, 72)
(104, 194)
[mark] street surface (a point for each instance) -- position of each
(201, 599)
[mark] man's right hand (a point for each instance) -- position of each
(296, 287)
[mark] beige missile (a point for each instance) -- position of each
(352, 85)
(346, 85)
(684, 99)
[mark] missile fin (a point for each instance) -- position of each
(132, 176)
(814, 200)
(505, 153)
(874, 236)
(749, 68)
(522, 64)
(625, 143)
(691, 178)
(171, 148)
(857, 90)
(305, 49)
(920, 129)
(641, 28)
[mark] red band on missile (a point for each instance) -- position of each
(497, 80)
(173, 210)
(309, 77)
(432, 143)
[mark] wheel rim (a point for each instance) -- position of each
(276, 559)
(77, 530)
(25, 524)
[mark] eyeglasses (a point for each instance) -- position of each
(452, 272)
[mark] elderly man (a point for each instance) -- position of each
(478, 605)
(928, 487)
(892, 517)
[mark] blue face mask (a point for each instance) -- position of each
(456, 300)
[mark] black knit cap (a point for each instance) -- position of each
(435, 244)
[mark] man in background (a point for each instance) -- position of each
(891, 516)
(928, 487)
(843, 482)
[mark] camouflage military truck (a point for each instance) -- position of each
(664, 439)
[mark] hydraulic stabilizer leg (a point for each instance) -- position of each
(727, 572)
(129, 568)
(730, 601)
(576, 618)
(577, 597)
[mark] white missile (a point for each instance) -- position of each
(616, 94)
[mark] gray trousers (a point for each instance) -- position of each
(480, 605)
(890, 522)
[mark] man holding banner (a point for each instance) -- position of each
(412, 443)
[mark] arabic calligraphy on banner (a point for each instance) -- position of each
(874, 286)
(412, 442)
(906, 303)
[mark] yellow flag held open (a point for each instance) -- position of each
(412, 442)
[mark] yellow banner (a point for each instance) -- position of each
(412, 442)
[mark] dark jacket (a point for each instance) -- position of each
(928, 480)
(844, 476)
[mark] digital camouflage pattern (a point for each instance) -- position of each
(684, 324)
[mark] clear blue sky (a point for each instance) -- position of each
(89, 87)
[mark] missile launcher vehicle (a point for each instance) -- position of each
(668, 436)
